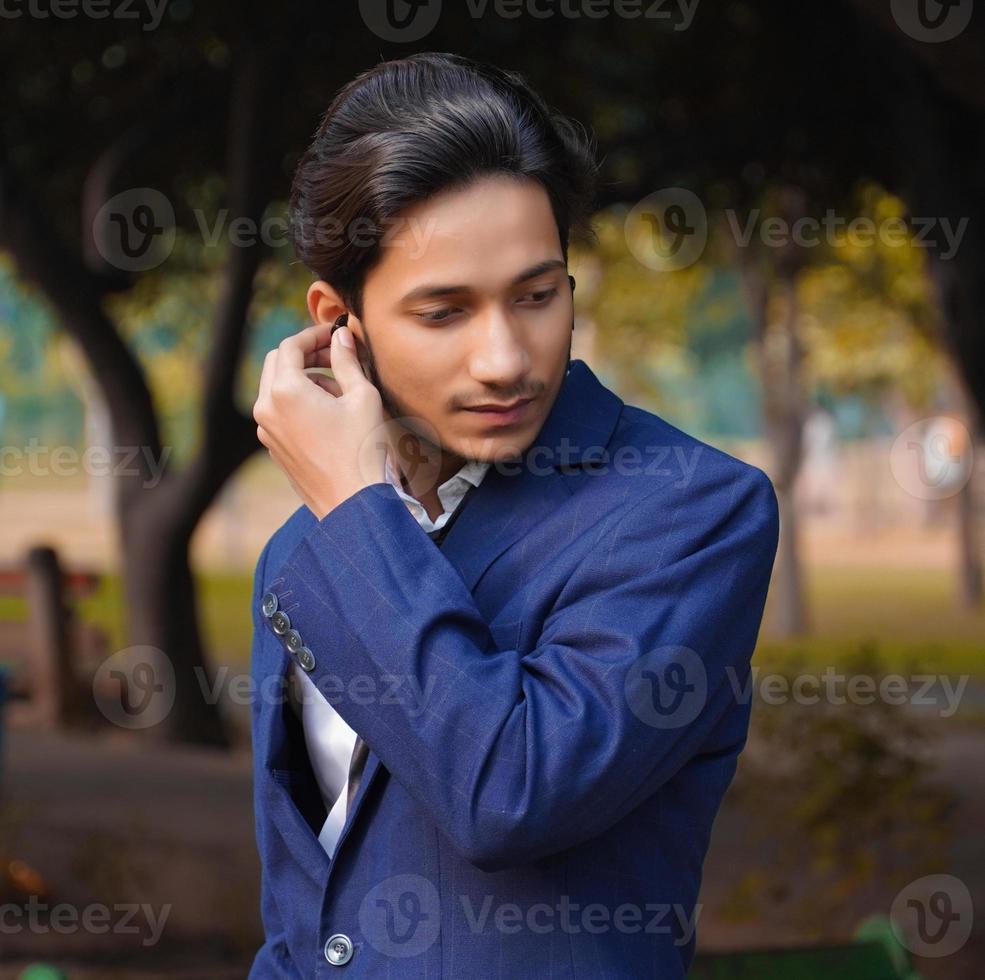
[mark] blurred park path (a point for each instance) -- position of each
(113, 819)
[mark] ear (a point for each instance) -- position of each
(324, 303)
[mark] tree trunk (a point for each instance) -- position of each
(156, 528)
(784, 412)
(969, 547)
(779, 355)
(158, 512)
(163, 619)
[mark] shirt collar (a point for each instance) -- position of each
(472, 472)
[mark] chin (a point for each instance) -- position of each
(497, 449)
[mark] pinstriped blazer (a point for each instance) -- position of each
(552, 701)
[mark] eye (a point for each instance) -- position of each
(438, 316)
(542, 297)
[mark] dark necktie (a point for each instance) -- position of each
(359, 748)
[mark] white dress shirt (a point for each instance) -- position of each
(328, 738)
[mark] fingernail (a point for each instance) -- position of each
(345, 336)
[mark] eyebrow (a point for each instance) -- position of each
(433, 292)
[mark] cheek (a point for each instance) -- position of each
(546, 346)
(419, 388)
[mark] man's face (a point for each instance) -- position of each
(447, 326)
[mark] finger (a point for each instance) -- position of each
(266, 377)
(320, 358)
(345, 363)
(323, 381)
(296, 347)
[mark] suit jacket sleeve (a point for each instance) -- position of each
(273, 960)
(637, 670)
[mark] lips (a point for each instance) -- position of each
(501, 408)
(503, 416)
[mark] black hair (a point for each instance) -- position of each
(407, 129)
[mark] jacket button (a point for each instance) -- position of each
(338, 949)
(280, 622)
(293, 641)
(268, 605)
(306, 658)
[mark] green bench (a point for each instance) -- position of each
(876, 954)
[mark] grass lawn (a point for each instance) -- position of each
(911, 614)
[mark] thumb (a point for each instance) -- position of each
(345, 364)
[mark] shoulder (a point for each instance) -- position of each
(657, 467)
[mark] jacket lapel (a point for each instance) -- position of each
(512, 500)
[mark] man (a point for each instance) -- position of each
(499, 651)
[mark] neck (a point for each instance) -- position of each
(422, 466)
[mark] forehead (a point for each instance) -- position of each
(480, 236)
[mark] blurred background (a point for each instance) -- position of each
(789, 265)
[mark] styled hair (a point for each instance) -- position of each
(407, 129)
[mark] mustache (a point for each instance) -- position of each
(507, 400)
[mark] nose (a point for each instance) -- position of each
(499, 357)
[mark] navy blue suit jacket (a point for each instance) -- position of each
(553, 699)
